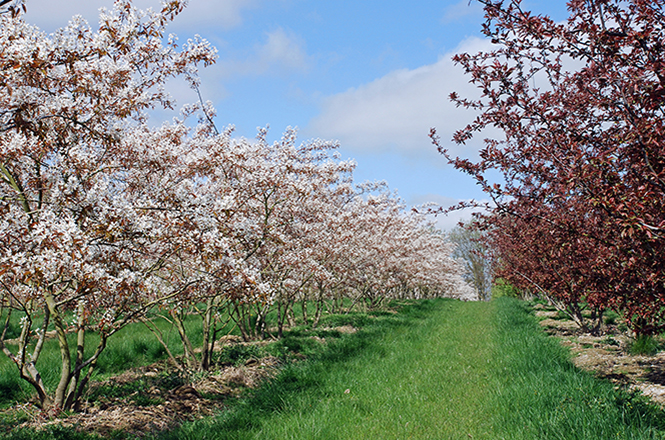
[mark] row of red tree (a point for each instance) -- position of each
(579, 216)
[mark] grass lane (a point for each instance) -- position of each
(440, 370)
(541, 395)
(422, 381)
(423, 374)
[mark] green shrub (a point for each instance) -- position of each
(502, 288)
(611, 317)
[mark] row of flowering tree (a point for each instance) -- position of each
(579, 216)
(107, 221)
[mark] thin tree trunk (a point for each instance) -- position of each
(160, 338)
(65, 374)
(190, 358)
(80, 353)
(289, 314)
(305, 319)
(319, 307)
(207, 324)
(280, 320)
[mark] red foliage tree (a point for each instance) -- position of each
(581, 105)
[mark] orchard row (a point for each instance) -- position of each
(105, 219)
(579, 213)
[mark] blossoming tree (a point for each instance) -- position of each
(106, 218)
(69, 242)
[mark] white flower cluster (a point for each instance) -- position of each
(112, 216)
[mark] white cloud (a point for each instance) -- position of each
(398, 110)
(282, 52)
(463, 9)
(446, 222)
(50, 15)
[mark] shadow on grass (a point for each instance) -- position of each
(55, 432)
(11, 390)
(302, 378)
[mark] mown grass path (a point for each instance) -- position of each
(439, 370)
(419, 381)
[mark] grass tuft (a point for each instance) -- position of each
(51, 432)
(238, 354)
(644, 345)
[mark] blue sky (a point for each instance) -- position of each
(374, 75)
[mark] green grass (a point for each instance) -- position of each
(541, 395)
(611, 317)
(439, 369)
(419, 374)
(645, 345)
(132, 346)
(53, 432)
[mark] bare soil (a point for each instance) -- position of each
(608, 355)
(162, 403)
(159, 397)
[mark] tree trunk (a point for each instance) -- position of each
(280, 320)
(190, 358)
(289, 314)
(160, 338)
(80, 353)
(207, 346)
(65, 373)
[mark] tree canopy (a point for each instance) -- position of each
(579, 215)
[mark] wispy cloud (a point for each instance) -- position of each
(463, 10)
(396, 111)
(226, 14)
(282, 52)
